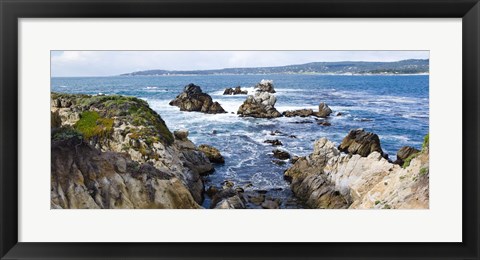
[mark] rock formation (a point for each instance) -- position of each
(360, 142)
(212, 153)
(328, 178)
(193, 99)
(280, 154)
(121, 124)
(235, 91)
(404, 153)
(228, 197)
(261, 104)
(300, 113)
(323, 110)
(265, 86)
(83, 177)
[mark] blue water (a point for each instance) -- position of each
(394, 107)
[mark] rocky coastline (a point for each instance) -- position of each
(112, 151)
(331, 179)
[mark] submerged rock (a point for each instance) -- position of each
(324, 123)
(212, 153)
(361, 142)
(235, 91)
(193, 99)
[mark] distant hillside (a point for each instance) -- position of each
(343, 67)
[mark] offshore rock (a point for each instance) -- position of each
(193, 99)
(261, 104)
(323, 110)
(235, 91)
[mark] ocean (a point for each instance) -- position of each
(396, 107)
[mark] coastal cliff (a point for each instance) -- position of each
(328, 178)
(93, 135)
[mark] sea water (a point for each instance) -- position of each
(394, 107)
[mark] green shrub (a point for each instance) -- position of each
(423, 171)
(91, 125)
(407, 161)
(426, 142)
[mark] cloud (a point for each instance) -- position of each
(108, 63)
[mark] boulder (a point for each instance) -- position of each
(235, 91)
(193, 99)
(299, 112)
(361, 142)
(256, 199)
(282, 155)
(260, 105)
(228, 198)
(212, 153)
(405, 152)
(181, 134)
(270, 204)
(265, 86)
(323, 110)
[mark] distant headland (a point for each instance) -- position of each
(411, 66)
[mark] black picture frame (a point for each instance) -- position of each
(12, 10)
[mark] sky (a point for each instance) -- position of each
(110, 63)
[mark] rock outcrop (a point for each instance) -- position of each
(193, 99)
(83, 177)
(235, 91)
(323, 110)
(274, 142)
(127, 125)
(299, 112)
(361, 142)
(280, 154)
(228, 197)
(265, 86)
(404, 153)
(212, 153)
(328, 178)
(261, 104)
